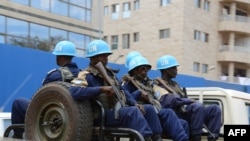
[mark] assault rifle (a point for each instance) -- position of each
(119, 95)
(151, 99)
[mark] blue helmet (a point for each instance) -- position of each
(129, 56)
(65, 48)
(166, 61)
(138, 61)
(97, 47)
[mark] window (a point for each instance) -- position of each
(88, 15)
(106, 10)
(59, 7)
(17, 27)
(115, 11)
(2, 39)
(74, 13)
(125, 41)
(136, 5)
(105, 38)
(58, 34)
(78, 9)
(126, 6)
(77, 2)
(2, 24)
(197, 35)
(78, 40)
(204, 37)
(197, 3)
(164, 33)
(136, 37)
(165, 2)
(38, 31)
(218, 102)
(248, 107)
(126, 10)
(201, 36)
(114, 42)
(206, 5)
(88, 4)
(204, 68)
(40, 4)
(196, 67)
(24, 2)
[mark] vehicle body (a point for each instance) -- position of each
(5, 121)
(235, 105)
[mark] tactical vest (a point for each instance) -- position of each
(106, 101)
(175, 87)
(145, 86)
(66, 74)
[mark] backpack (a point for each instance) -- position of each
(66, 74)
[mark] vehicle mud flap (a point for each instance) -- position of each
(53, 115)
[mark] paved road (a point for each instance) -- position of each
(9, 139)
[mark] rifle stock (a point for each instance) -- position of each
(119, 95)
(181, 108)
(169, 88)
(165, 86)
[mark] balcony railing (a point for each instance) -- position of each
(237, 18)
(235, 49)
(237, 80)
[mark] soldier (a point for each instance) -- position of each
(141, 89)
(64, 51)
(194, 112)
(91, 83)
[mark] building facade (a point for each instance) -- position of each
(42, 23)
(209, 38)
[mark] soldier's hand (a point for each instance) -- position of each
(108, 90)
(141, 108)
(145, 95)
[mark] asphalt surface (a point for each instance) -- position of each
(10, 139)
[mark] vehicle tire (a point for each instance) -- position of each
(53, 115)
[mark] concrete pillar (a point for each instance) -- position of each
(231, 41)
(231, 72)
(233, 11)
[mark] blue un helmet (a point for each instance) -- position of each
(165, 62)
(129, 56)
(66, 48)
(97, 47)
(138, 61)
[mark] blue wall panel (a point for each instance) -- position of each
(22, 72)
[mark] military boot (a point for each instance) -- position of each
(195, 138)
(156, 138)
(211, 139)
(17, 136)
(147, 138)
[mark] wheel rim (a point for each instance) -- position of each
(52, 121)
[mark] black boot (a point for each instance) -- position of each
(195, 138)
(211, 139)
(156, 138)
(17, 136)
(147, 138)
